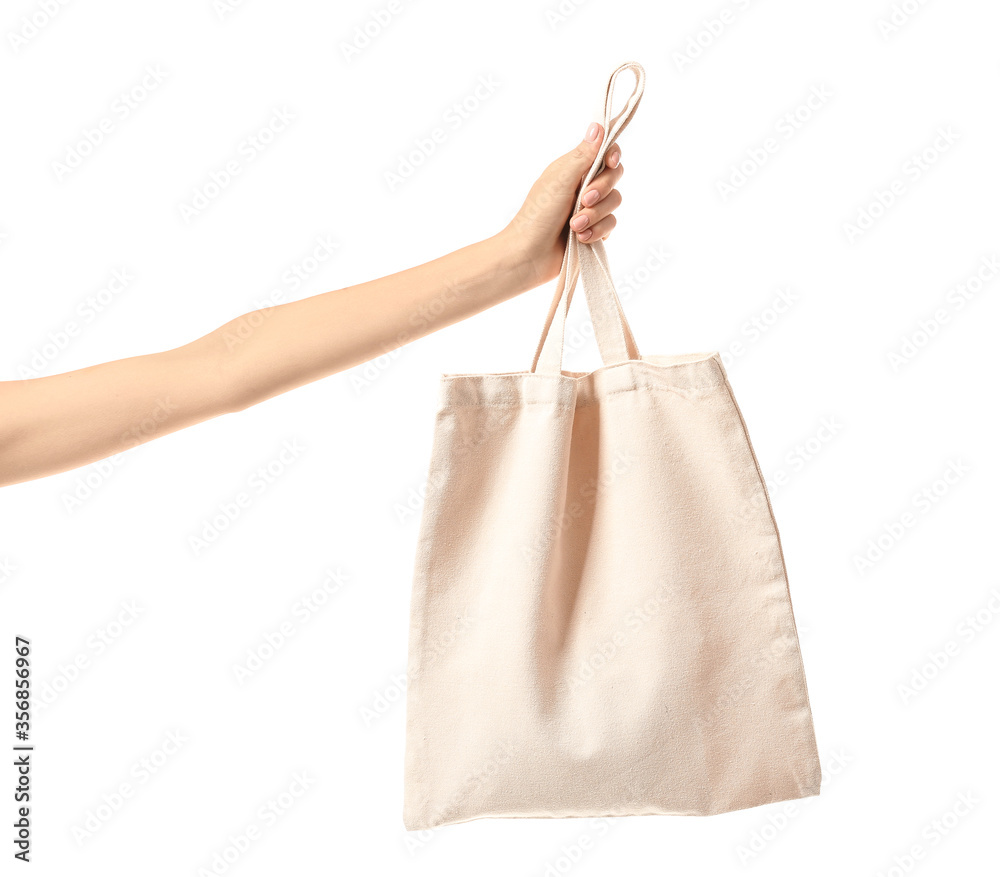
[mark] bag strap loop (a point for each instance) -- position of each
(589, 262)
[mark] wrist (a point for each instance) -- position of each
(524, 260)
(515, 260)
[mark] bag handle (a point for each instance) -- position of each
(589, 262)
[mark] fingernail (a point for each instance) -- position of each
(586, 235)
(590, 199)
(614, 159)
(579, 221)
(592, 131)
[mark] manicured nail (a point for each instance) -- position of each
(586, 235)
(614, 159)
(592, 131)
(591, 198)
(579, 221)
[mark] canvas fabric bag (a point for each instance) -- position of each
(600, 616)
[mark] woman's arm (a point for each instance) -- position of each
(59, 422)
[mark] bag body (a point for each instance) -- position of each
(601, 622)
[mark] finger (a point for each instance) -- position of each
(576, 162)
(602, 184)
(590, 216)
(599, 230)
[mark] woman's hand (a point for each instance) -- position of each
(540, 227)
(63, 421)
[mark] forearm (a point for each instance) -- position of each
(274, 350)
(60, 422)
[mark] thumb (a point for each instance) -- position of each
(582, 157)
(569, 169)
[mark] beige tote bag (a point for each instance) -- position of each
(600, 617)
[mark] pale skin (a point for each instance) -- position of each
(59, 422)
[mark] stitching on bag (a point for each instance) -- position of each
(706, 357)
(521, 402)
(803, 686)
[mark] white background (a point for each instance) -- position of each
(347, 504)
